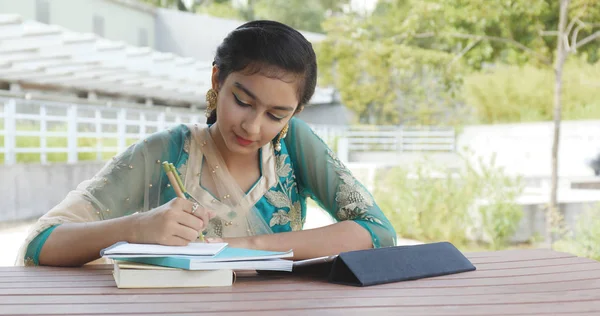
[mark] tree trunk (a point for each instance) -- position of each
(561, 55)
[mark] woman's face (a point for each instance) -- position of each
(253, 109)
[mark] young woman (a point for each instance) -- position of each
(248, 173)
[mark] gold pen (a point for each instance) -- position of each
(178, 186)
(173, 180)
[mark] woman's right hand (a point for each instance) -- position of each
(171, 224)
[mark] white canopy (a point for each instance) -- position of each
(50, 55)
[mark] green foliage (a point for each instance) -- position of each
(220, 9)
(499, 214)
(385, 82)
(430, 203)
(383, 63)
(176, 4)
(521, 94)
(305, 15)
(586, 242)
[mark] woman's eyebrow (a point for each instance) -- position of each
(248, 92)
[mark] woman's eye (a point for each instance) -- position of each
(239, 102)
(275, 118)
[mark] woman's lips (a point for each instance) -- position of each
(242, 141)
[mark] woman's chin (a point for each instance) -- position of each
(241, 149)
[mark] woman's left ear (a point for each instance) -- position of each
(215, 78)
(299, 109)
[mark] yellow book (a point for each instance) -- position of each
(139, 275)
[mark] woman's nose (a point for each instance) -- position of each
(251, 125)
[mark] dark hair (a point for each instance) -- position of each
(271, 48)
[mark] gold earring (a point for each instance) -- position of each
(211, 101)
(281, 136)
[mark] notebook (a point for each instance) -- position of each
(137, 275)
(228, 258)
(125, 249)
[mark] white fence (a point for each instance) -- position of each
(42, 131)
(43, 128)
(389, 138)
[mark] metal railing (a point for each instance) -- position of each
(401, 139)
(43, 127)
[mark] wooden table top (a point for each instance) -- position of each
(513, 282)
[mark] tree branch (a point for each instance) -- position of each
(574, 37)
(464, 51)
(541, 57)
(532, 52)
(548, 33)
(566, 45)
(588, 39)
(572, 24)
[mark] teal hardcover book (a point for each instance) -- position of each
(228, 258)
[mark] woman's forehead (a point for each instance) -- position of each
(269, 90)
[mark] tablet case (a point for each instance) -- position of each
(400, 263)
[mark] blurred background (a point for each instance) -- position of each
(471, 121)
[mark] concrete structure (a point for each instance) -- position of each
(521, 149)
(129, 21)
(137, 50)
(30, 190)
(197, 35)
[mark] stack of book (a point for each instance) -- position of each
(194, 265)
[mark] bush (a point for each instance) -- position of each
(586, 241)
(509, 94)
(430, 203)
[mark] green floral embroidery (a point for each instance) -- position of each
(279, 218)
(283, 169)
(281, 200)
(352, 198)
(284, 199)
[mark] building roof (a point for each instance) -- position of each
(49, 55)
(38, 54)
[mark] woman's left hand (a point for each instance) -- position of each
(214, 240)
(236, 242)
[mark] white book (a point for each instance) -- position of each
(138, 275)
(153, 250)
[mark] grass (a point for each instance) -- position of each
(58, 142)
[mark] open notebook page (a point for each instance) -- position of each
(145, 250)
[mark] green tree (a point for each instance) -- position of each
(221, 9)
(382, 79)
(178, 4)
(513, 93)
(542, 33)
(306, 15)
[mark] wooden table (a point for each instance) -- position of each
(516, 282)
